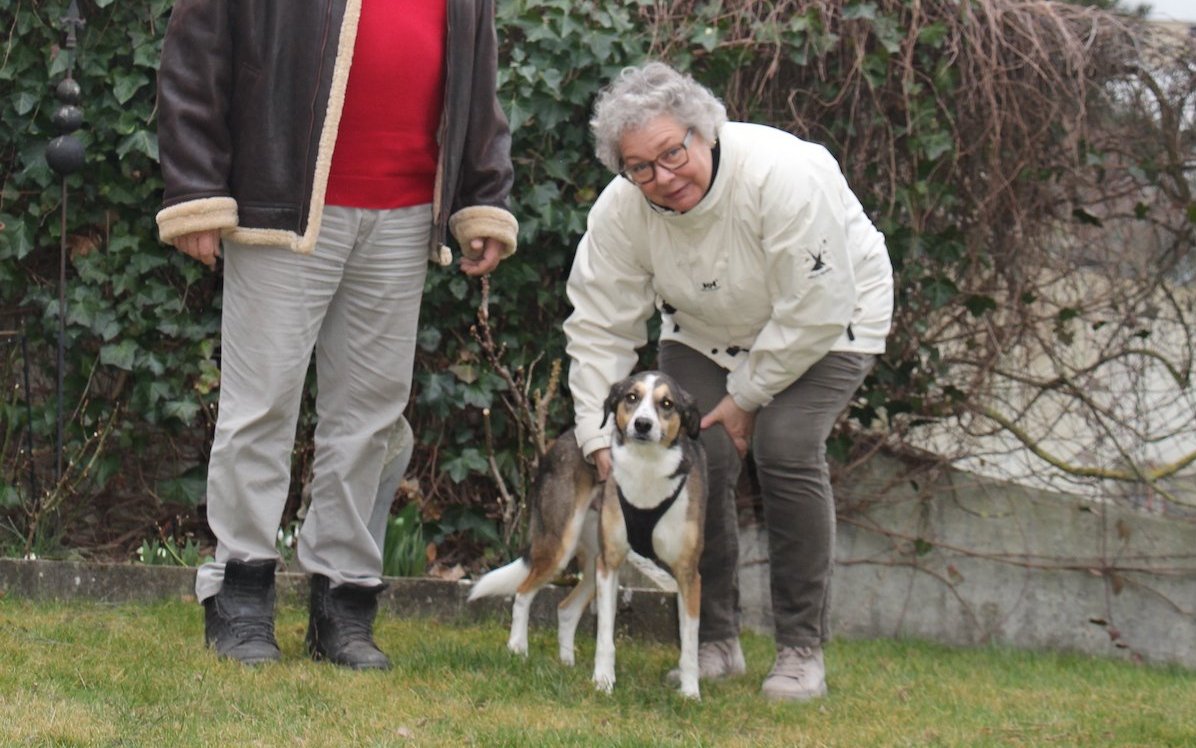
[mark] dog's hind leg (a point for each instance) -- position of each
(545, 567)
(517, 641)
(571, 608)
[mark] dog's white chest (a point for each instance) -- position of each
(649, 483)
(646, 474)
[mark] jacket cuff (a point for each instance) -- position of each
(593, 444)
(196, 215)
(591, 435)
(484, 222)
(744, 394)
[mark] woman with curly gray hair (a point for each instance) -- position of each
(775, 295)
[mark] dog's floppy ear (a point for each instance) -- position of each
(612, 400)
(691, 417)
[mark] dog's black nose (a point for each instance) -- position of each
(643, 425)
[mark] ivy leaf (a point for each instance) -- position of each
(428, 338)
(933, 34)
(121, 355)
(15, 238)
(23, 103)
(707, 37)
(188, 490)
(10, 498)
(940, 291)
(468, 462)
(126, 87)
(978, 304)
(142, 141)
(859, 10)
(184, 410)
(476, 396)
(464, 372)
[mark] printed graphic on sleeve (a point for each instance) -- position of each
(818, 264)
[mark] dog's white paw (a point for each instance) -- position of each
(517, 647)
(567, 657)
(691, 693)
(604, 682)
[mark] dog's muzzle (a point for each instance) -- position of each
(642, 429)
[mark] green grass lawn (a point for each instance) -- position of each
(138, 675)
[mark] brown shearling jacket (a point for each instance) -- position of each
(249, 100)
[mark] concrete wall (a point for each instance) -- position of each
(954, 559)
(969, 561)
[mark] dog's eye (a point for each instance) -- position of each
(666, 403)
(632, 398)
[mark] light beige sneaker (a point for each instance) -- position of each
(720, 659)
(798, 675)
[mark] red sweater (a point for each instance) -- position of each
(386, 150)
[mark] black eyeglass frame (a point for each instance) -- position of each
(683, 147)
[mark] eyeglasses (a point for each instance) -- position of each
(672, 159)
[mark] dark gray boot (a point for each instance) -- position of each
(238, 620)
(340, 628)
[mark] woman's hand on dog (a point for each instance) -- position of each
(737, 421)
(601, 459)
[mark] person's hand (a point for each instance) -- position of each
(601, 459)
(483, 256)
(737, 421)
(202, 245)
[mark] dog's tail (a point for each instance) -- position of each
(504, 580)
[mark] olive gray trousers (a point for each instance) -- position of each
(354, 301)
(789, 449)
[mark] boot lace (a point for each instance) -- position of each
(253, 628)
(792, 662)
(354, 628)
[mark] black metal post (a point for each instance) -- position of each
(64, 154)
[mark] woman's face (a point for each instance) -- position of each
(679, 189)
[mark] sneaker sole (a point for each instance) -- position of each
(809, 696)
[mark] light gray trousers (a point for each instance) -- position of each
(789, 449)
(355, 300)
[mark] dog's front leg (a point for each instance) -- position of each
(613, 548)
(604, 650)
(689, 600)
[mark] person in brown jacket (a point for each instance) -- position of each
(321, 151)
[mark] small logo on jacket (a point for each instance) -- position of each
(819, 267)
(711, 286)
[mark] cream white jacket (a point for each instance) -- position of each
(776, 266)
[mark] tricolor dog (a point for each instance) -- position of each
(654, 503)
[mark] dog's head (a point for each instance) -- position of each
(651, 407)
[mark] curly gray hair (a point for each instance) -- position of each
(640, 94)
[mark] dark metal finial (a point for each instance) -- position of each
(73, 23)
